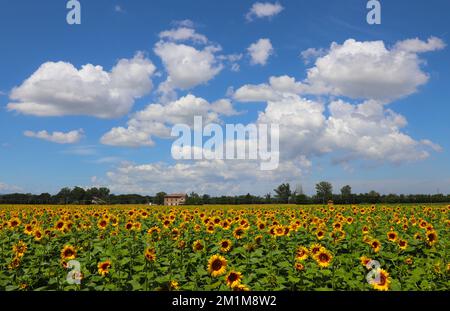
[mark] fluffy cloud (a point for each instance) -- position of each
(366, 131)
(157, 119)
(8, 188)
(213, 177)
(276, 89)
(418, 46)
(183, 34)
(264, 10)
(360, 70)
(57, 137)
(187, 66)
(370, 70)
(260, 52)
(369, 131)
(311, 54)
(59, 89)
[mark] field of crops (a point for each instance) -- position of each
(282, 247)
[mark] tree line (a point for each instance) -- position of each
(283, 194)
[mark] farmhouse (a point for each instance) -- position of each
(175, 199)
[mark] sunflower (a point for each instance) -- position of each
(376, 245)
(338, 235)
(38, 234)
(431, 237)
(337, 226)
(173, 285)
(153, 230)
(320, 234)
(238, 233)
(261, 225)
(241, 288)
(210, 229)
(103, 267)
(233, 279)
(299, 266)
(14, 223)
(68, 252)
(383, 282)
(225, 225)
(409, 261)
(217, 265)
(102, 224)
(423, 224)
(28, 230)
(150, 254)
(60, 225)
(392, 236)
(258, 239)
(365, 230)
(364, 260)
(137, 226)
(315, 248)
(225, 245)
(302, 253)
(114, 221)
(323, 258)
(279, 230)
(403, 244)
(197, 228)
(198, 246)
(129, 225)
(20, 248)
(175, 233)
(15, 263)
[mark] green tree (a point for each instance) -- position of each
(324, 190)
(346, 193)
(64, 195)
(159, 198)
(283, 193)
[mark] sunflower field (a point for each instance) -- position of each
(254, 247)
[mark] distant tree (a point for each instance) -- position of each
(324, 191)
(77, 195)
(283, 193)
(268, 198)
(206, 199)
(194, 199)
(64, 195)
(346, 193)
(373, 197)
(159, 198)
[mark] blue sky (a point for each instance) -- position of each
(413, 98)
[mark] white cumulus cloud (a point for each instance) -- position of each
(260, 51)
(183, 34)
(157, 119)
(57, 137)
(370, 70)
(60, 89)
(264, 10)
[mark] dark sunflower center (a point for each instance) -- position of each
(217, 264)
(232, 277)
(68, 252)
(324, 257)
(382, 279)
